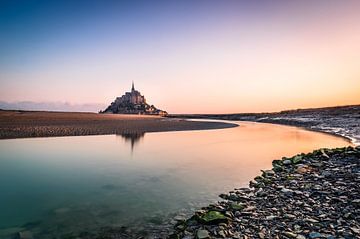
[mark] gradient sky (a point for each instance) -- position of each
(184, 56)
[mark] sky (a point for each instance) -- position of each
(184, 56)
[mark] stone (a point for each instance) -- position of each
(313, 235)
(249, 208)
(271, 217)
(202, 234)
(301, 169)
(290, 234)
(222, 233)
(297, 159)
(25, 235)
(179, 218)
(290, 216)
(213, 217)
(287, 191)
(237, 206)
(311, 220)
(355, 230)
(268, 173)
(323, 153)
(277, 162)
(261, 235)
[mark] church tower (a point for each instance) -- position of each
(132, 87)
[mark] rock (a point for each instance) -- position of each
(303, 169)
(271, 217)
(180, 218)
(188, 237)
(213, 217)
(297, 159)
(249, 208)
(268, 173)
(290, 234)
(202, 234)
(253, 184)
(287, 162)
(176, 236)
(277, 163)
(324, 154)
(10, 231)
(311, 220)
(237, 206)
(290, 216)
(287, 191)
(261, 235)
(355, 230)
(25, 235)
(222, 233)
(315, 235)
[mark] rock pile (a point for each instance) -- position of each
(315, 195)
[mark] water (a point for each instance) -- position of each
(59, 187)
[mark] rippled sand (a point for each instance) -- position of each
(24, 124)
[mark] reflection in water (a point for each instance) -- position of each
(62, 187)
(133, 138)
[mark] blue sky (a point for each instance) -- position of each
(185, 56)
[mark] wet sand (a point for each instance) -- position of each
(26, 124)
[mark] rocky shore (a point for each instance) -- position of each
(315, 195)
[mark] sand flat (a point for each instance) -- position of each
(25, 124)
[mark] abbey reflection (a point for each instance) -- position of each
(133, 138)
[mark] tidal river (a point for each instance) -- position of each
(63, 186)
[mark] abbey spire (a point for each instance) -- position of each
(132, 86)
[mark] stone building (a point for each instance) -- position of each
(132, 103)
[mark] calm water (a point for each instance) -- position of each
(57, 186)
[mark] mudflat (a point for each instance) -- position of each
(25, 124)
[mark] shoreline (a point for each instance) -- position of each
(312, 195)
(33, 124)
(339, 120)
(347, 138)
(305, 127)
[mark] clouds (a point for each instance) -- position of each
(51, 106)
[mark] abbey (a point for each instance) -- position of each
(132, 103)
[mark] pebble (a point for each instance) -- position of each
(315, 199)
(315, 235)
(290, 234)
(202, 234)
(25, 235)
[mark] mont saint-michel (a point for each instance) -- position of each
(132, 103)
(179, 119)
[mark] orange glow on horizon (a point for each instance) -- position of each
(298, 57)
